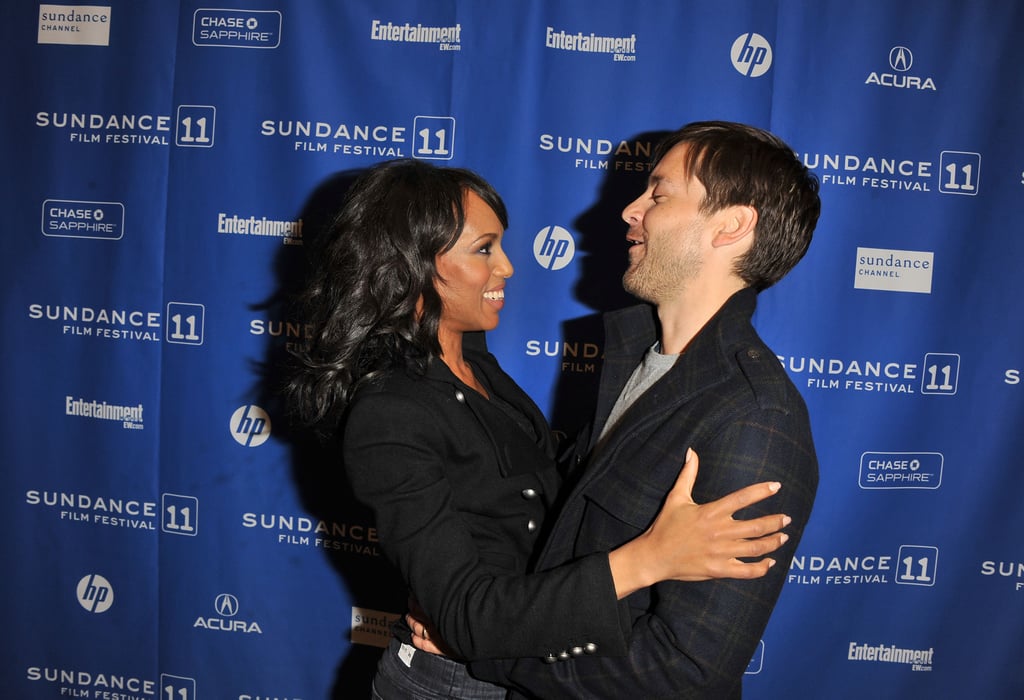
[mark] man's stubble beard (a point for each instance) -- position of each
(655, 278)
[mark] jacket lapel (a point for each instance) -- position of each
(704, 364)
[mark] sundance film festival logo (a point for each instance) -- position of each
(185, 323)
(751, 55)
(913, 565)
(250, 426)
(176, 687)
(95, 593)
(1009, 569)
(627, 156)
(432, 137)
(959, 172)
(937, 374)
(180, 514)
(553, 247)
(195, 126)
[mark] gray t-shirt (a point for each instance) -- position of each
(652, 368)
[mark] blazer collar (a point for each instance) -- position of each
(474, 348)
(707, 360)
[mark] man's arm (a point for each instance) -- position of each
(696, 639)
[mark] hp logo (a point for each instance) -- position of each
(95, 593)
(751, 55)
(553, 248)
(250, 426)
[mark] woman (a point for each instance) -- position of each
(454, 459)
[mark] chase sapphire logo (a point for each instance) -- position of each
(237, 29)
(901, 470)
(73, 218)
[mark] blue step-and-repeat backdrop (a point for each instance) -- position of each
(167, 537)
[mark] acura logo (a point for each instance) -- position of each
(226, 605)
(901, 58)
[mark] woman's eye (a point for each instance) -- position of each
(486, 249)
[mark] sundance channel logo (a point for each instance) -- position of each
(79, 25)
(894, 270)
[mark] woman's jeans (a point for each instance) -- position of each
(406, 673)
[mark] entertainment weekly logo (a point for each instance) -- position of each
(620, 48)
(130, 416)
(916, 659)
(447, 38)
(288, 231)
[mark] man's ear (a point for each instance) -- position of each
(734, 224)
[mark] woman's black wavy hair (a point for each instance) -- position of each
(370, 304)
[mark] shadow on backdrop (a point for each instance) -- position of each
(316, 465)
(602, 257)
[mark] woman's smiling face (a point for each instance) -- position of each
(472, 274)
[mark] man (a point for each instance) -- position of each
(728, 211)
